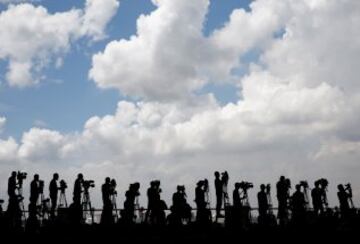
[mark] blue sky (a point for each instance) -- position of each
(67, 98)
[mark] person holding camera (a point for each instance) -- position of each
(180, 208)
(106, 216)
(344, 196)
(203, 215)
(317, 200)
(298, 204)
(282, 194)
(12, 186)
(131, 196)
(35, 190)
(53, 190)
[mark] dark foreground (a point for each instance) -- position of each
(144, 233)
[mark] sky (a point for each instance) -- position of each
(176, 89)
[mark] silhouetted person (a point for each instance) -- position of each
(106, 216)
(34, 190)
(219, 194)
(151, 194)
(282, 194)
(131, 196)
(236, 196)
(53, 190)
(180, 208)
(298, 205)
(263, 202)
(317, 198)
(344, 196)
(78, 190)
(203, 215)
(12, 186)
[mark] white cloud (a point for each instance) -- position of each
(31, 38)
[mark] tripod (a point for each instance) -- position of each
(21, 203)
(86, 206)
(114, 207)
(62, 199)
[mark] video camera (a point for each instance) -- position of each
(347, 186)
(21, 176)
(304, 184)
(88, 183)
(323, 182)
(63, 185)
(245, 185)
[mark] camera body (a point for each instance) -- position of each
(88, 183)
(246, 185)
(323, 182)
(63, 185)
(304, 184)
(21, 176)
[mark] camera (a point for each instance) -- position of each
(21, 176)
(347, 186)
(88, 183)
(304, 184)
(245, 185)
(323, 182)
(63, 185)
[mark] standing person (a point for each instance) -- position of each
(53, 189)
(298, 204)
(106, 216)
(12, 186)
(219, 194)
(282, 194)
(344, 196)
(317, 201)
(78, 190)
(34, 189)
(263, 202)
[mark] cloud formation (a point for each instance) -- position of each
(298, 113)
(32, 38)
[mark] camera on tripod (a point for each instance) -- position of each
(88, 183)
(21, 176)
(246, 185)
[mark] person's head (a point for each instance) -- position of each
(180, 188)
(13, 174)
(107, 180)
(56, 176)
(200, 183)
(298, 187)
(36, 177)
(262, 187)
(80, 176)
(341, 187)
(317, 184)
(153, 183)
(237, 186)
(282, 178)
(217, 174)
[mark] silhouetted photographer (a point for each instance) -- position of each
(298, 205)
(180, 210)
(203, 215)
(16, 208)
(131, 201)
(221, 192)
(318, 195)
(78, 189)
(345, 200)
(53, 192)
(283, 195)
(106, 216)
(263, 203)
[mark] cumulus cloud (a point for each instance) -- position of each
(31, 38)
(298, 113)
